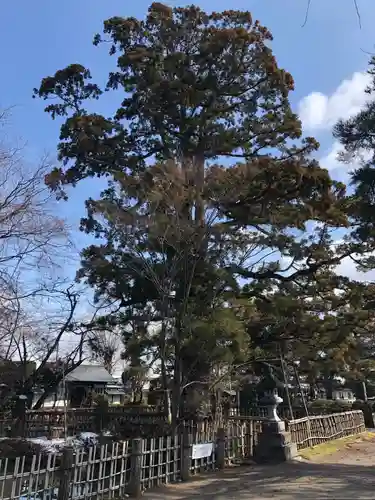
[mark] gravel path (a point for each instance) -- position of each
(346, 474)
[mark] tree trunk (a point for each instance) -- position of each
(166, 395)
(328, 386)
(364, 391)
(199, 183)
(176, 392)
(53, 387)
(47, 391)
(177, 369)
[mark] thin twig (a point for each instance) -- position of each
(358, 13)
(306, 13)
(355, 6)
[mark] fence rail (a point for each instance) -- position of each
(111, 470)
(161, 461)
(100, 471)
(131, 466)
(95, 472)
(310, 431)
(51, 422)
(242, 437)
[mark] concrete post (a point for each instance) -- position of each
(274, 443)
(65, 474)
(220, 448)
(186, 454)
(135, 484)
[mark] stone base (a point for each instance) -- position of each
(273, 427)
(274, 444)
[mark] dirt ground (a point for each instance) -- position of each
(342, 472)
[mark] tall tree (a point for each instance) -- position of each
(37, 310)
(179, 229)
(356, 135)
(105, 346)
(323, 325)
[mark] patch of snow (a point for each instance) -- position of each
(49, 445)
(82, 440)
(49, 494)
(57, 445)
(88, 435)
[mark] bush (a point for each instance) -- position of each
(320, 407)
(13, 448)
(327, 406)
(139, 407)
(339, 406)
(358, 404)
(124, 429)
(367, 411)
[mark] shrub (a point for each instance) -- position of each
(125, 429)
(319, 407)
(139, 407)
(13, 448)
(327, 406)
(367, 411)
(338, 406)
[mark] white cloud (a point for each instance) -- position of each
(349, 268)
(321, 111)
(339, 170)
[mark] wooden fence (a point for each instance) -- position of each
(133, 466)
(51, 422)
(315, 430)
(130, 467)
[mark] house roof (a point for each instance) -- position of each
(90, 373)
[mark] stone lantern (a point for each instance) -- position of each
(269, 386)
(274, 443)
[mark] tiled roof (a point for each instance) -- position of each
(90, 373)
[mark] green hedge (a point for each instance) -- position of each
(327, 406)
(367, 411)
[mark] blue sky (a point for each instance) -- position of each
(39, 37)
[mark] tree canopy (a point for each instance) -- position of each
(217, 224)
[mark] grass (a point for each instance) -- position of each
(331, 447)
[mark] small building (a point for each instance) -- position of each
(81, 386)
(343, 394)
(85, 382)
(115, 393)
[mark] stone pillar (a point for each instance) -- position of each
(135, 483)
(274, 443)
(220, 448)
(186, 453)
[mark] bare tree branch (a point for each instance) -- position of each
(355, 2)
